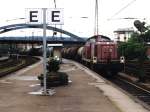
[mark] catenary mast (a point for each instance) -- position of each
(96, 29)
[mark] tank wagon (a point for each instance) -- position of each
(99, 52)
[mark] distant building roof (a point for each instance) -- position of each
(124, 30)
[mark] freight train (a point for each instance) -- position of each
(99, 52)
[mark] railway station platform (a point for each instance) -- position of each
(87, 92)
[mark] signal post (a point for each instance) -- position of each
(44, 16)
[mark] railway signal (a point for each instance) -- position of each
(140, 25)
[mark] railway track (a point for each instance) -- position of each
(133, 67)
(137, 91)
(140, 93)
(13, 64)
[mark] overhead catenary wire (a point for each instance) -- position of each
(118, 12)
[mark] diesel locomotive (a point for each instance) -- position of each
(99, 52)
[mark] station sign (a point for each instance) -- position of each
(45, 16)
(54, 16)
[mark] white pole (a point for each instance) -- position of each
(44, 49)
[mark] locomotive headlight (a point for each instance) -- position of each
(107, 43)
(57, 58)
(94, 59)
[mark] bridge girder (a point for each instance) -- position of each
(12, 27)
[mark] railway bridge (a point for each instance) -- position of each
(74, 39)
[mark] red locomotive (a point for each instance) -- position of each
(99, 52)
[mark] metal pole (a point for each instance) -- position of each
(96, 30)
(61, 32)
(44, 49)
(32, 38)
(55, 3)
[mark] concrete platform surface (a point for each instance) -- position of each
(87, 93)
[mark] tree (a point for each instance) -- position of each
(134, 48)
(145, 36)
(53, 65)
(54, 77)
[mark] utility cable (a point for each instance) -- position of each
(130, 3)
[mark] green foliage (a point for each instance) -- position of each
(53, 77)
(134, 38)
(133, 49)
(53, 65)
(145, 36)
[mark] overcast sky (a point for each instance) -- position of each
(74, 10)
